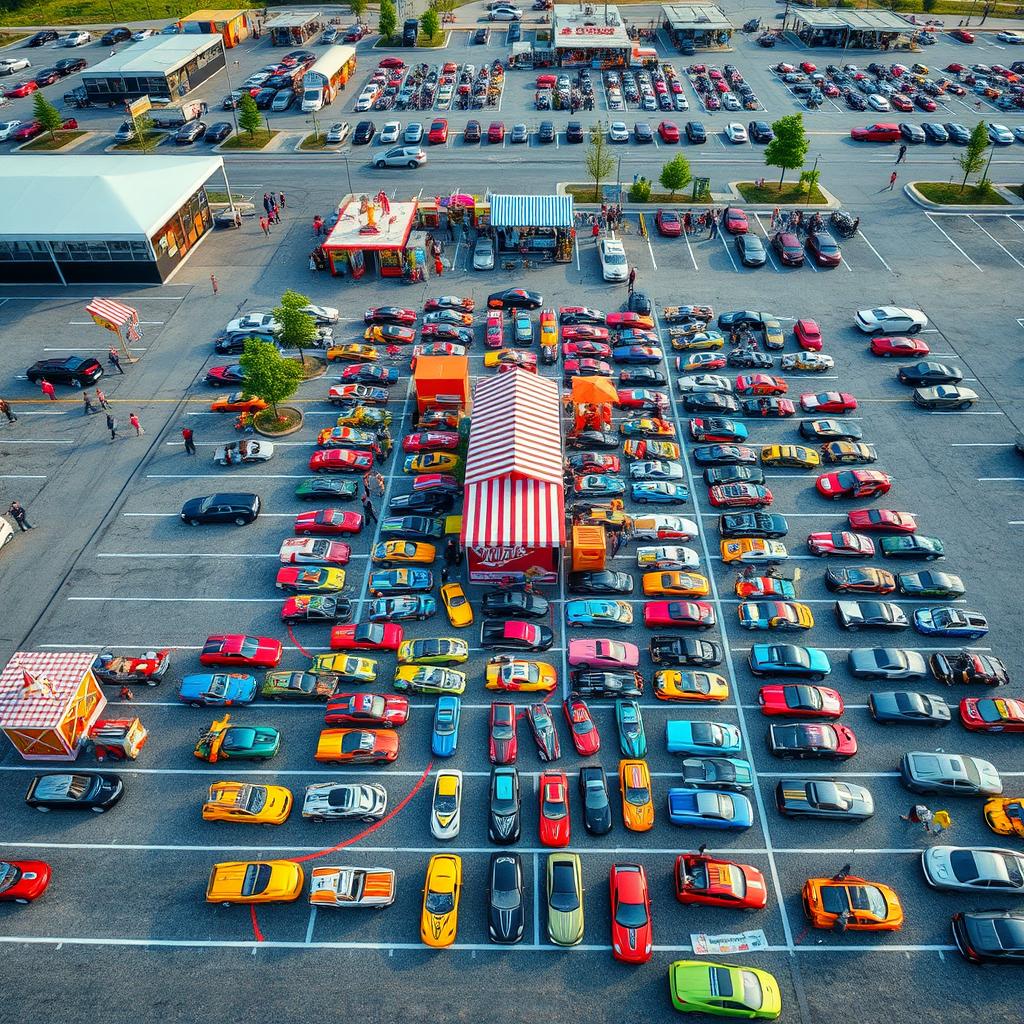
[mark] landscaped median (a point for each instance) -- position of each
(790, 193)
(44, 144)
(952, 193)
(257, 140)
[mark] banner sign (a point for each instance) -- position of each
(743, 942)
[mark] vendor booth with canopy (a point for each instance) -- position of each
(376, 235)
(541, 226)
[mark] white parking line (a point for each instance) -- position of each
(999, 479)
(996, 240)
(931, 220)
(981, 444)
(767, 248)
(686, 239)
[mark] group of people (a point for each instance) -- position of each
(796, 221)
(272, 207)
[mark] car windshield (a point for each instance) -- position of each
(714, 805)
(440, 902)
(503, 788)
(1010, 933)
(553, 806)
(990, 710)
(614, 259)
(256, 880)
(971, 771)
(521, 671)
(252, 799)
(504, 899)
(563, 888)
(829, 796)
(638, 795)
(706, 734)
(630, 915)
(802, 697)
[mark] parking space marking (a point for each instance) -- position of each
(931, 219)
(728, 251)
(689, 249)
(999, 479)
(964, 412)
(767, 248)
(876, 252)
(981, 444)
(996, 240)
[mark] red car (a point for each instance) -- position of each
(644, 399)
(327, 521)
(853, 483)
(392, 62)
(496, 131)
(899, 346)
(963, 35)
(828, 402)
(494, 335)
(882, 519)
(581, 332)
(992, 714)
(850, 545)
(620, 321)
(430, 441)
(719, 883)
(438, 134)
(585, 737)
(769, 407)
(554, 809)
(632, 936)
(34, 128)
(808, 335)
(669, 132)
(586, 368)
(502, 743)
(735, 221)
(390, 315)
(595, 462)
(807, 67)
(366, 636)
(21, 89)
(586, 349)
(700, 362)
(800, 700)
(789, 249)
(924, 102)
(22, 881)
(341, 460)
(679, 614)
(900, 102)
(742, 495)
(668, 223)
(231, 649)
(760, 384)
(374, 710)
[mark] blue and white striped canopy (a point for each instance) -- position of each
(531, 211)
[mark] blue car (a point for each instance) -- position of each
(522, 328)
(954, 622)
(709, 808)
(658, 492)
(406, 606)
(400, 581)
(218, 689)
(717, 773)
(637, 355)
(632, 738)
(711, 738)
(656, 469)
(789, 660)
(599, 613)
(599, 485)
(445, 737)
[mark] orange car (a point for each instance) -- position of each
(236, 403)
(357, 746)
(637, 803)
(870, 906)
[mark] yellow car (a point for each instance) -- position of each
(1005, 816)
(460, 612)
(548, 328)
(676, 584)
(794, 456)
(432, 462)
(671, 684)
(255, 805)
(351, 668)
(439, 919)
(773, 336)
(696, 342)
(518, 675)
(403, 552)
(651, 450)
(255, 881)
(364, 416)
(752, 551)
(442, 650)
(353, 352)
(236, 402)
(637, 803)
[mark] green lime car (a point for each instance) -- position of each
(724, 990)
(912, 545)
(429, 680)
(433, 651)
(565, 899)
(322, 488)
(297, 686)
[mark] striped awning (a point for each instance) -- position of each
(531, 211)
(513, 513)
(111, 314)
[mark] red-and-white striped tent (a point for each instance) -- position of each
(115, 316)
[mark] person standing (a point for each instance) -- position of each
(264, 226)
(114, 358)
(379, 482)
(892, 181)
(368, 509)
(17, 513)
(842, 920)
(7, 411)
(47, 388)
(213, 283)
(87, 402)
(366, 484)
(632, 279)
(133, 419)
(190, 444)
(112, 426)
(451, 553)
(266, 202)
(280, 198)
(902, 154)
(713, 226)
(102, 399)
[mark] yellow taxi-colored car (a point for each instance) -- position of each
(520, 675)
(439, 919)
(548, 328)
(501, 356)
(432, 462)
(870, 906)
(255, 881)
(442, 650)
(353, 668)
(637, 801)
(352, 352)
(696, 342)
(235, 402)
(460, 611)
(795, 456)
(403, 552)
(1005, 816)
(242, 801)
(676, 584)
(671, 684)
(752, 551)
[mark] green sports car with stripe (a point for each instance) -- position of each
(724, 990)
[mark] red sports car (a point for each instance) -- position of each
(585, 348)
(963, 35)
(502, 743)
(853, 483)
(700, 362)
(992, 714)
(341, 460)
(587, 332)
(799, 700)
(438, 134)
(760, 384)
(374, 710)
(807, 67)
(899, 346)
(808, 335)
(585, 737)
(327, 521)
(719, 883)
(586, 368)
(735, 221)
(595, 462)
(22, 881)
(851, 545)
(741, 495)
(366, 636)
(231, 649)
(882, 519)
(828, 401)
(430, 441)
(458, 303)
(392, 62)
(900, 102)
(390, 315)
(644, 399)
(632, 936)
(554, 809)
(668, 223)
(620, 321)
(669, 132)
(679, 614)
(768, 406)
(21, 89)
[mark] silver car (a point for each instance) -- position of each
(886, 663)
(339, 131)
(367, 801)
(923, 771)
(483, 254)
(399, 156)
(974, 869)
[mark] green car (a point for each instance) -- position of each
(433, 651)
(565, 899)
(323, 488)
(912, 545)
(724, 990)
(424, 679)
(298, 686)
(238, 743)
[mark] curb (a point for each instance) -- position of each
(82, 139)
(732, 197)
(1014, 204)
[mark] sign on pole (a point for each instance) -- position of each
(136, 108)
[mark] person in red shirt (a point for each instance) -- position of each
(47, 389)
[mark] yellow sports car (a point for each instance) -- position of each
(442, 650)
(773, 336)
(351, 668)
(1005, 816)
(671, 684)
(518, 675)
(364, 416)
(352, 352)
(676, 584)
(310, 579)
(548, 328)
(403, 552)
(794, 456)
(460, 612)
(752, 551)
(432, 462)
(439, 920)
(696, 342)
(241, 801)
(645, 449)
(236, 402)
(255, 881)
(637, 802)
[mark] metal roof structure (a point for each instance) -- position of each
(857, 21)
(700, 17)
(531, 211)
(158, 54)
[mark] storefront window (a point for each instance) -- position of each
(98, 251)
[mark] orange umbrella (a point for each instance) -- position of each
(593, 390)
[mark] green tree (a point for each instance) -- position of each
(928, 6)
(46, 114)
(789, 147)
(675, 175)
(598, 159)
(640, 190)
(430, 23)
(388, 21)
(249, 118)
(443, 6)
(809, 181)
(268, 374)
(298, 328)
(972, 158)
(358, 8)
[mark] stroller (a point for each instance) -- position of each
(843, 223)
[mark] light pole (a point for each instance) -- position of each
(984, 173)
(348, 172)
(618, 181)
(234, 105)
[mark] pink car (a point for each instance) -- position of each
(603, 654)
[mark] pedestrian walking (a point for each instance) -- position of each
(940, 822)
(275, 214)
(47, 388)
(213, 283)
(102, 399)
(379, 483)
(190, 444)
(17, 513)
(133, 419)
(902, 154)
(842, 874)
(632, 279)
(366, 484)
(87, 403)
(842, 920)
(451, 552)
(312, 264)
(917, 814)
(7, 411)
(264, 227)
(595, 230)
(114, 358)
(892, 181)
(266, 202)
(444, 574)
(368, 509)
(126, 694)
(713, 229)
(280, 199)
(111, 426)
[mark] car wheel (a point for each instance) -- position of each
(43, 810)
(913, 328)
(193, 522)
(964, 405)
(817, 677)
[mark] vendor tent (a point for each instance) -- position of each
(531, 211)
(593, 391)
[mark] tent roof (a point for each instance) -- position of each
(531, 211)
(868, 21)
(155, 54)
(63, 670)
(47, 199)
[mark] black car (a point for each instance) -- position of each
(364, 133)
(218, 131)
(927, 374)
(990, 935)
(760, 131)
(605, 581)
(957, 133)
(674, 650)
(221, 508)
(642, 375)
(514, 604)
(724, 455)
(481, 36)
(733, 475)
(190, 132)
(740, 318)
(506, 913)
(593, 439)
(751, 359)
(696, 134)
(49, 36)
(767, 525)
(515, 298)
(74, 791)
(429, 503)
(809, 740)
(710, 401)
(265, 97)
(574, 132)
(642, 132)
(935, 132)
(751, 250)
(573, 316)
(830, 430)
(47, 77)
(115, 35)
(597, 810)
(504, 635)
(854, 615)
(823, 798)
(411, 528)
(515, 33)
(69, 65)
(595, 683)
(714, 773)
(855, 101)
(317, 488)
(640, 303)
(968, 667)
(74, 371)
(546, 132)
(504, 824)
(908, 707)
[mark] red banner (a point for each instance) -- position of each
(512, 560)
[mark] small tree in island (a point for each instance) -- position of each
(298, 328)
(268, 374)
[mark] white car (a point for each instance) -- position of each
(1014, 38)
(263, 322)
(339, 131)
(669, 558)
(10, 65)
(313, 551)
(390, 133)
(730, 101)
(891, 320)
(983, 869)
(659, 526)
(483, 254)
(614, 266)
(505, 14)
(243, 451)
(143, 33)
(446, 805)
(1000, 134)
(330, 34)
(876, 102)
(322, 314)
(8, 128)
(366, 99)
(400, 156)
(618, 132)
(76, 39)
(444, 94)
(735, 132)
(615, 99)
(704, 382)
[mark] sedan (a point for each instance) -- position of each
(974, 869)
(908, 707)
(949, 774)
(926, 374)
(736, 133)
(669, 131)
(618, 132)
(668, 223)
(891, 319)
(999, 134)
(760, 131)
(751, 250)
(945, 396)
(825, 741)
(788, 248)
(990, 935)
